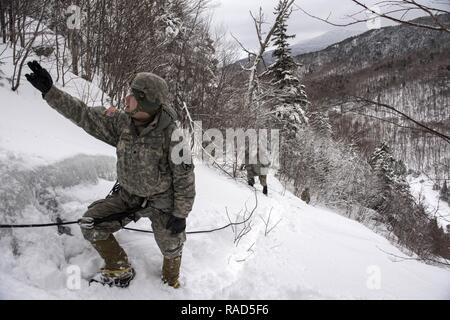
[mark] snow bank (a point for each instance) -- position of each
(311, 254)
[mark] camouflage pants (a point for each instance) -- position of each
(102, 238)
(255, 171)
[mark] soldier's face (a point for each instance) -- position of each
(131, 105)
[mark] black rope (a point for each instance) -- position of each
(13, 226)
(198, 231)
(119, 217)
(126, 228)
(37, 225)
(210, 230)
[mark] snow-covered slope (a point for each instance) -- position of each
(324, 40)
(311, 252)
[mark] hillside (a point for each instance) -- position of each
(402, 66)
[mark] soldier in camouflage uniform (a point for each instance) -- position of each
(256, 167)
(151, 184)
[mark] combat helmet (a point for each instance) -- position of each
(150, 90)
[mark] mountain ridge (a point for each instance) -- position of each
(405, 67)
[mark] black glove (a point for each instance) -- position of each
(40, 78)
(176, 225)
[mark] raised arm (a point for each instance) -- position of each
(94, 121)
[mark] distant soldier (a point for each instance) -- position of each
(150, 184)
(256, 166)
(305, 195)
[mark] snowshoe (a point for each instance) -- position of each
(114, 277)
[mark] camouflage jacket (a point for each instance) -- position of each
(144, 167)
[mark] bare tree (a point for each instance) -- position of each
(257, 57)
(3, 7)
(21, 54)
(395, 11)
(364, 102)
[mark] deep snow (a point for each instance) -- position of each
(312, 253)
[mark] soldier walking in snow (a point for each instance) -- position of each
(256, 166)
(149, 184)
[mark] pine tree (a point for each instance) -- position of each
(391, 170)
(320, 123)
(282, 68)
(392, 176)
(408, 220)
(289, 94)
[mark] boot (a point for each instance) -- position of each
(265, 190)
(113, 254)
(171, 271)
(120, 277)
(117, 270)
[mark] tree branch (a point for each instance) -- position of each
(444, 137)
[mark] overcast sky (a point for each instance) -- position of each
(233, 15)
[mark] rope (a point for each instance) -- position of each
(204, 231)
(37, 225)
(118, 217)
(122, 215)
(13, 226)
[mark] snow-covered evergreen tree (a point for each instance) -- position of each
(391, 187)
(389, 169)
(320, 123)
(289, 94)
(407, 219)
(282, 68)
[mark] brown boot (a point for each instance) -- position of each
(171, 271)
(113, 254)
